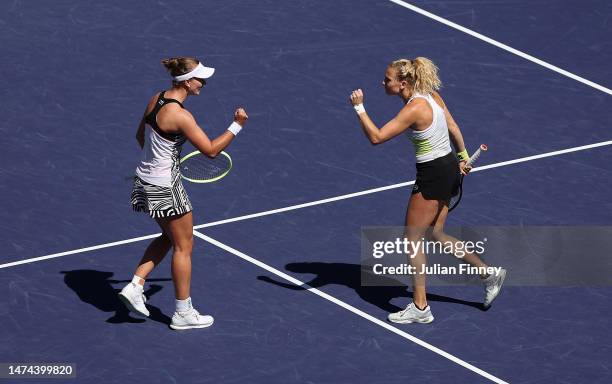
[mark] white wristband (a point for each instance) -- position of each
(234, 128)
(359, 108)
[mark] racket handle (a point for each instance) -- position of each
(476, 155)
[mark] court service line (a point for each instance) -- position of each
(502, 46)
(399, 185)
(305, 205)
(350, 308)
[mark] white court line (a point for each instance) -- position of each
(541, 156)
(310, 204)
(350, 308)
(80, 250)
(502, 46)
(305, 205)
(400, 185)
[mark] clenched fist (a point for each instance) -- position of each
(240, 116)
(357, 97)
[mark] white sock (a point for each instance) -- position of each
(183, 305)
(136, 281)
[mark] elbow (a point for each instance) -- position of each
(211, 154)
(208, 150)
(375, 140)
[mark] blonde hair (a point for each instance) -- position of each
(421, 73)
(180, 65)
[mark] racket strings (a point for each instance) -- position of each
(202, 168)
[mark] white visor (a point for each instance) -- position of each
(200, 72)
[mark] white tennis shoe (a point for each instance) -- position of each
(493, 285)
(134, 299)
(412, 315)
(190, 319)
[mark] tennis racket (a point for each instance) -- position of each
(483, 148)
(199, 168)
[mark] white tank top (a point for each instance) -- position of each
(161, 152)
(160, 159)
(433, 142)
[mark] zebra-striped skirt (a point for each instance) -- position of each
(159, 201)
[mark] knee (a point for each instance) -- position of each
(414, 233)
(184, 246)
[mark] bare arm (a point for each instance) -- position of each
(404, 119)
(200, 140)
(453, 131)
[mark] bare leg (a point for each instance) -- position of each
(438, 234)
(420, 215)
(133, 298)
(155, 253)
(180, 231)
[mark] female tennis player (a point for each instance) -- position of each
(164, 127)
(430, 127)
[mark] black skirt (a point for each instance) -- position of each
(438, 179)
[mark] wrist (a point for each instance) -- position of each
(359, 108)
(463, 155)
(235, 128)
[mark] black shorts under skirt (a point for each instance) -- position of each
(438, 179)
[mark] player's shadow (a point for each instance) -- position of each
(380, 291)
(95, 288)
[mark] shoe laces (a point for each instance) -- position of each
(491, 288)
(140, 298)
(403, 311)
(140, 294)
(491, 284)
(191, 312)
